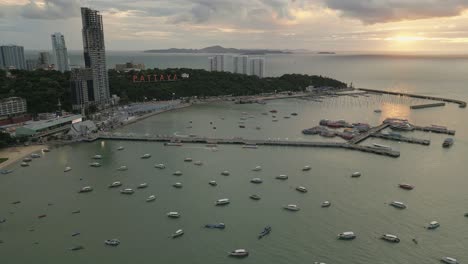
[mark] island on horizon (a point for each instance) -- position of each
(220, 49)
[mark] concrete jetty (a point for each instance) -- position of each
(421, 106)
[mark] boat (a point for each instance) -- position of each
(6, 171)
(249, 146)
(255, 197)
(381, 146)
(306, 168)
(160, 166)
(282, 177)
(76, 212)
(2, 220)
(256, 180)
(212, 183)
(225, 173)
(188, 159)
(466, 214)
(120, 148)
(112, 242)
(173, 214)
(397, 204)
(258, 168)
(122, 168)
(198, 163)
(177, 185)
(241, 126)
(301, 189)
(127, 191)
(174, 144)
(239, 253)
(86, 189)
(448, 142)
(223, 201)
(27, 159)
(264, 113)
(390, 238)
(377, 111)
(146, 156)
(211, 145)
(41, 216)
(266, 231)
(45, 150)
(433, 225)
(274, 120)
(356, 174)
(24, 164)
(347, 235)
(97, 157)
(151, 198)
(273, 111)
(95, 164)
(218, 226)
(142, 185)
(286, 117)
(115, 184)
(35, 156)
(258, 127)
(76, 248)
(76, 234)
(292, 207)
(326, 204)
(16, 202)
(177, 173)
(449, 260)
(294, 114)
(178, 233)
(406, 186)
(67, 169)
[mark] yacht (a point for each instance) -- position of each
(225, 173)
(282, 177)
(198, 163)
(390, 238)
(97, 157)
(249, 146)
(178, 233)
(433, 225)
(223, 201)
(24, 164)
(177, 173)
(218, 226)
(115, 184)
(301, 189)
(127, 191)
(255, 197)
(258, 168)
(142, 185)
(188, 159)
(112, 242)
(256, 180)
(397, 204)
(292, 207)
(160, 166)
(35, 156)
(173, 215)
(356, 174)
(347, 235)
(406, 186)
(151, 198)
(85, 189)
(326, 204)
(95, 164)
(45, 150)
(177, 185)
(146, 156)
(212, 183)
(381, 146)
(306, 168)
(449, 260)
(120, 148)
(448, 142)
(27, 159)
(239, 253)
(122, 168)
(67, 169)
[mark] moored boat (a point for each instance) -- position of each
(188, 159)
(225, 173)
(86, 189)
(223, 201)
(448, 142)
(67, 169)
(160, 166)
(120, 148)
(326, 204)
(97, 156)
(151, 198)
(218, 226)
(112, 242)
(175, 144)
(27, 159)
(381, 146)
(306, 168)
(256, 180)
(122, 168)
(35, 156)
(255, 197)
(257, 168)
(127, 191)
(249, 146)
(356, 174)
(177, 185)
(177, 173)
(76, 248)
(115, 184)
(173, 214)
(198, 163)
(406, 186)
(390, 238)
(266, 231)
(349, 235)
(433, 225)
(301, 189)
(282, 177)
(292, 207)
(449, 260)
(45, 150)
(24, 164)
(398, 205)
(142, 185)
(177, 233)
(239, 253)
(212, 183)
(146, 156)
(95, 164)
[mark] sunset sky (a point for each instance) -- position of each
(325, 25)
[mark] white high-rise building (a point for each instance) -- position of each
(240, 64)
(217, 63)
(257, 67)
(59, 49)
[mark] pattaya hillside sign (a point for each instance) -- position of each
(138, 78)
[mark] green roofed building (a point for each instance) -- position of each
(47, 127)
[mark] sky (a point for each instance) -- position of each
(315, 25)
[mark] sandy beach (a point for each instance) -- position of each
(17, 153)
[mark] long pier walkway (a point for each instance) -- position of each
(369, 133)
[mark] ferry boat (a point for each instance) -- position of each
(406, 186)
(256, 180)
(398, 205)
(86, 189)
(212, 183)
(326, 204)
(347, 235)
(301, 189)
(115, 184)
(67, 169)
(306, 168)
(177, 173)
(112, 242)
(218, 226)
(175, 144)
(173, 214)
(223, 201)
(433, 225)
(390, 238)
(282, 177)
(146, 156)
(178, 233)
(292, 207)
(381, 146)
(225, 173)
(127, 191)
(356, 174)
(449, 260)
(448, 142)
(151, 198)
(97, 157)
(239, 253)
(160, 166)
(177, 185)
(255, 197)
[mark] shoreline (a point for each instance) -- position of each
(15, 154)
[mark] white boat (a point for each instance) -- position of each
(115, 184)
(212, 183)
(433, 225)
(122, 168)
(24, 164)
(282, 177)
(85, 189)
(306, 168)
(390, 238)
(188, 159)
(67, 169)
(178, 233)
(175, 144)
(112, 242)
(347, 235)
(326, 204)
(142, 185)
(127, 191)
(239, 253)
(397, 204)
(198, 163)
(45, 150)
(120, 148)
(258, 168)
(256, 180)
(301, 189)
(97, 157)
(223, 201)
(356, 174)
(250, 146)
(146, 156)
(95, 164)
(160, 166)
(177, 185)
(27, 159)
(292, 207)
(151, 198)
(225, 173)
(35, 156)
(173, 214)
(381, 146)
(177, 173)
(449, 260)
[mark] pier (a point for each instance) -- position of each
(426, 105)
(361, 137)
(411, 140)
(435, 129)
(461, 104)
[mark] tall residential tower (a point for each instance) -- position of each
(59, 49)
(12, 57)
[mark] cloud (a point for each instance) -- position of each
(51, 9)
(382, 11)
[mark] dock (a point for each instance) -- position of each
(421, 106)
(411, 140)
(435, 129)
(363, 136)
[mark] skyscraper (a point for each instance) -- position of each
(257, 67)
(13, 57)
(59, 49)
(95, 55)
(81, 81)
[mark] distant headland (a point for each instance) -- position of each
(220, 50)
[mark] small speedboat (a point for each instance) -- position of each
(397, 204)
(41, 216)
(188, 159)
(212, 183)
(218, 226)
(97, 157)
(127, 191)
(241, 126)
(433, 225)
(449, 260)
(223, 201)
(225, 173)
(256, 180)
(160, 166)
(67, 169)
(177, 173)
(76, 248)
(177, 185)
(151, 198)
(406, 186)
(326, 204)
(258, 168)
(76, 212)
(306, 168)
(24, 164)
(255, 197)
(120, 148)
(95, 164)
(239, 253)
(294, 114)
(115, 184)
(27, 159)
(292, 207)
(266, 231)
(122, 168)
(146, 156)
(6, 171)
(301, 189)
(35, 156)
(282, 177)
(198, 163)
(142, 185)
(356, 174)
(178, 233)
(347, 235)
(390, 238)
(173, 214)
(112, 242)
(86, 189)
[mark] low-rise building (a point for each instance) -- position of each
(129, 66)
(47, 127)
(12, 106)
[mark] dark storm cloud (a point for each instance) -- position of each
(381, 11)
(51, 9)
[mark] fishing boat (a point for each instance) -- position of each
(390, 238)
(173, 214)
(291, 207)
(433, 225)
(301, 189)
(177, 173)
(67, 169)
(326, 204)
(255, 197)
(142, 185)
(223, 201)
(266, 231)
(306, 168)
(86, 189)
(239, 253)
(177, 185)
(115, 184)
(282, 177)
(177, 233)
(256, 180)
(225, 173)
(112, 242)
(398, 205)
(449, 260)
(212, 183)
(95, 164)
(356, 174)
(448, 142)
(406, 186)
(218, 226)
(349, 235)
(151, 198)
(97, 157)
(127, 191)
(122, 168)
(160, 166)
(146, 156)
